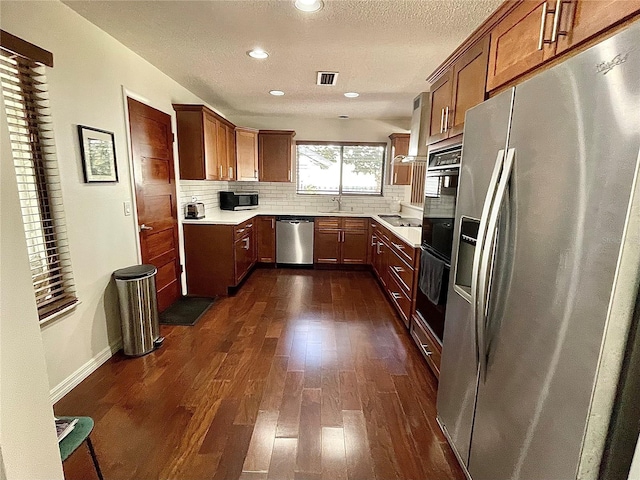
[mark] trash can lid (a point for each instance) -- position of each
(135, 272)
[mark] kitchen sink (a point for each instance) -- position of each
(398, 221)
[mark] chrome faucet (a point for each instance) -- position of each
(338, 199)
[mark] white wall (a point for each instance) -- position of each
(85, 86)
(331, 129)
(28, 444)
(634, 473)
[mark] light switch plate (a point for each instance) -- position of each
(127, 208)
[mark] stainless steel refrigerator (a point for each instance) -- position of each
(546, 265)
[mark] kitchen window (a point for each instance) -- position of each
(26, 109)
(335, 168)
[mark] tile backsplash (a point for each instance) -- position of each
(282, 196)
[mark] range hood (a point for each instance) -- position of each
(419, 131)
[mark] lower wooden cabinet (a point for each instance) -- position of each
(245, 256)
(326, 246)
(395, 264)
(266, 238)
(354, 247)
(427, 343)
(218, 257)
(340, 241)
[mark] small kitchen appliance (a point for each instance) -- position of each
(194, 210)
(238, 201)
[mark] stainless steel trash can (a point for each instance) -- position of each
(138, 309)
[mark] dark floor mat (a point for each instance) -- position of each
(186, 311)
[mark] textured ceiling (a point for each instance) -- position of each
(383, 49)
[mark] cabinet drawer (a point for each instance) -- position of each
(402, 272)
(400, 299)
(429, 346)
(355, 223)
(327, 222)
(404, 251)
(242, 229)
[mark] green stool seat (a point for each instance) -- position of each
(77, 437)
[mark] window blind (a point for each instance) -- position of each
(26, 105)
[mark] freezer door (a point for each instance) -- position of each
(486, 129)
(576, 135)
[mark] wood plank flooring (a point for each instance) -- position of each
(304, 374)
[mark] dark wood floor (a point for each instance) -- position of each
(304, 374)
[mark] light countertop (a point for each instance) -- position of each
(411, 235)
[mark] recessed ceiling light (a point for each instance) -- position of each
(351, 94)
(309, 5)
(277, 93)
(257, 53)
(344, 117)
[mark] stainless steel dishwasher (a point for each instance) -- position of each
(294, 240)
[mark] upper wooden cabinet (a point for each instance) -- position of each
(469, 80)
(537, 31)
(518, 42)
(206, 144)
(275, 155)
(524, 37)
(247, 154)
(440, 100)
(580, 20)
(458, 89)
(401, 173)
(231, 151)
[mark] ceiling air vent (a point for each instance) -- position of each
(327, 78)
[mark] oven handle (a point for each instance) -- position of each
(443, 172)
(432, 252)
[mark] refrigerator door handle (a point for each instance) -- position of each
(482, 232)
(484, 273)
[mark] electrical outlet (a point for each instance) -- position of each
(127, 208)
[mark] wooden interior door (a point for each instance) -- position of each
(440, 101)
(582, 19)
(515, 41)
(469, 81)
(156, 202)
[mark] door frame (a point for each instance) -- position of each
(126, 93)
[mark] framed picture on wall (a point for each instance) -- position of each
(98, 151)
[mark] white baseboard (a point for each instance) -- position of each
(83, 372)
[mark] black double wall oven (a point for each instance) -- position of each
(441, 188)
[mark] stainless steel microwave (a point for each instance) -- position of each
(238, 201)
